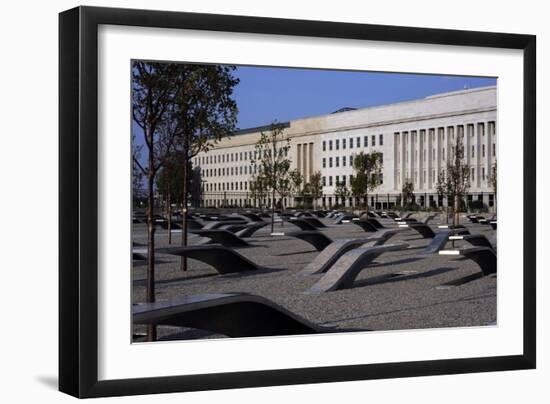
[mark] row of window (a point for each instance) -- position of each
(231, 157)
(227, 186)
(484, 175)
(344, 160)
(223, 171)
(352, 141)
(443, 154)
(341, 180)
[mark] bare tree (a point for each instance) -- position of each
(154, 87)
(408, 193)
(493, 182)
(204, 112)
(258, 189)
(315, 187)
(368, 172)
(341, 192)
(274, 164)
(454, 182)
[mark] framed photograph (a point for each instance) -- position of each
(251, 202)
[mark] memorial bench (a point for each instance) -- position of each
(231, 314)
(224, 260)
(343, 273)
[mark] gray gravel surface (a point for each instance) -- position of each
(400, 290)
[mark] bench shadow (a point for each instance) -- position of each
(294, 253)
(396, 277)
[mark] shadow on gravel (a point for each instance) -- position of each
(397, 277)
(408, 309)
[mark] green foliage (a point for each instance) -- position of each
(271, 157)
(368, 171)
(408, 192)
(314, 186)
(454, 182)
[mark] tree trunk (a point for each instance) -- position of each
(183, 260)
(150, 287)
(169, 213)
(272, 210)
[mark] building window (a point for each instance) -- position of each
(381, 178)
(494, 149)
(344, 144)
(365, 141)
(358, 142)
(330, 162)
(337, 161)
(443, 154)
(473, 174)
(482, 150)
(373, 140)
(483, 173)
(337, 144)
(351, 160)
(351, 143)
(324, 162)
(330, 144)
(337, 182)
(381, 158)
(343, 161)
(381, 139)
(473, 151)
(330, 181)
(324, 145)
(324, 181)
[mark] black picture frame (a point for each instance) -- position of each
(78, 201)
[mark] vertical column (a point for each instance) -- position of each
(310, 160)
(488, 149)
(304, 160)
(429, 158)
(477, 159)
(467, 141)
(396, 145)
(438, 134)
(403, 158)
(411, 155)
(299, 158)
(420, 162)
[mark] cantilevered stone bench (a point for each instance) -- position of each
(485, 257)
(438, 242)
(302, 224)
(223, 237)
(317, 239)
(345, 270)
(365, 225)
(138, 257)
(252, 216)
(376, 223)
(233, 228)
(426, 231)
(335, 250)
(230, 314)
(251, 228)
(344, 218)
(224, 260)
(215, 224)
(477, 240)
(314, 222)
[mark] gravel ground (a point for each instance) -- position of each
(400, 290)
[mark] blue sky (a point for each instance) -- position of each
(265, 94)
